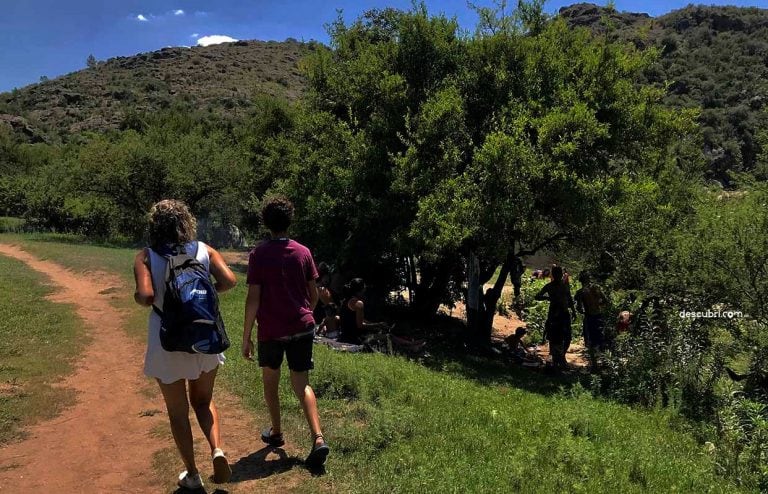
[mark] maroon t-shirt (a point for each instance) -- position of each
(282, 267)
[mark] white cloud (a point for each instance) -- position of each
(214, 39)
(194, 35)
(178, 12)
(141, 18)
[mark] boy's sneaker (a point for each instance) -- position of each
(191, 482)
(274, 440)
(222, 472)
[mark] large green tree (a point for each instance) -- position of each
(425, 145)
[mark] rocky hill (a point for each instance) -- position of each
(713, 58)
(220, 78)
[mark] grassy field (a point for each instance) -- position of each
(11, 225)
(457, 424)
(38, 341)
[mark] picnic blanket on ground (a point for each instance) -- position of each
(337, 345)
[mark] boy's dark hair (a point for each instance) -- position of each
(277, 213)
(323, 269)
(557, 273)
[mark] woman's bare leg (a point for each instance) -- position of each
(175, 395)
(201, 399)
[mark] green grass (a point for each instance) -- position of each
(38, 343)
(11, 225)
(397, 426)
(461, 425)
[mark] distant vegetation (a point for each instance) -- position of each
(410, 148)
(715, 59)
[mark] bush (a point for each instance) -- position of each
(93, 217)
(742, 452)
(665, 360)
(11, 225)
(533, 312)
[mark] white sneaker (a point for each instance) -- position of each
(222, 472)
(191, 482)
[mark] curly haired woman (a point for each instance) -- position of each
(171, 225)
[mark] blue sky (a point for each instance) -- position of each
(54, 37)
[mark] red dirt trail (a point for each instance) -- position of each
(105, 442)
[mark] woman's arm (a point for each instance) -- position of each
(324, 294)
(225, 278)
(144, 294)
(362, 324)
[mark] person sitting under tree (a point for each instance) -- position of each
(558, 323)
(515, 343)
(329, 327)
(353, 322)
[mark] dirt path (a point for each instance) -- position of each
(84, 449)
(108, 441)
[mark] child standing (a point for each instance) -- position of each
(282, 293)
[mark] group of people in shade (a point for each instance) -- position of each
(341, 316)
(589, 301)
(282, 294)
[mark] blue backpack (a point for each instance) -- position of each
(190, 318)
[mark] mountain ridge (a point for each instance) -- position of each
(713, 58)
(222, 78)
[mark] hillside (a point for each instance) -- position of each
(222, 78)
(715, 58)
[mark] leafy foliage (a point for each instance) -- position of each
(423, 143)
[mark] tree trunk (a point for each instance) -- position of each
(412, 279)
(490, 301)
(474, 294)
(433, 279)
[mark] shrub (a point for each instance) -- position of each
(742, 451)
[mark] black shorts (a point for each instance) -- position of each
(298, 352)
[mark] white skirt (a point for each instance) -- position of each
(169, 367)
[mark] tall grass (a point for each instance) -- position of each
(11, 225)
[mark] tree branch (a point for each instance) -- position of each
(545, 243)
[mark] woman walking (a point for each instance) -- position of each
(172, 227)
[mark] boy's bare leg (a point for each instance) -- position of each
(271, 380)
(306, 396)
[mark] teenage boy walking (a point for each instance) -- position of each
(281, 296)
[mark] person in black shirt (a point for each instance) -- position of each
(558, 324)
(353, 322)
